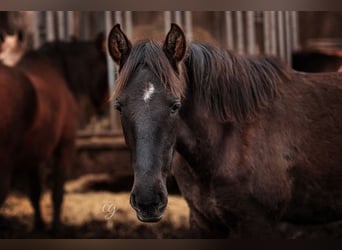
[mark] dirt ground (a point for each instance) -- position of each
(93, 215)
(94, 208)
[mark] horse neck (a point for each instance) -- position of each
(200, 136)
(59, 59)
(63, 58)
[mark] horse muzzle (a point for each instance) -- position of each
(148, 211)
(142, 218)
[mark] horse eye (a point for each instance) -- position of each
(2, 38)
(175, 107)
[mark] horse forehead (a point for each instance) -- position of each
(148, 91)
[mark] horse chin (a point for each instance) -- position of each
(152, 219)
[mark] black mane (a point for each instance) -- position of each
(234, 87)
(149, 53)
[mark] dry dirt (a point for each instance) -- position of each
(92, 215)
(107, 214)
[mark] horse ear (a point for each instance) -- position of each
(119, 46)
(175, 44)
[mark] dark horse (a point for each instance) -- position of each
(82, 64)
(38, 123)
(262, 143)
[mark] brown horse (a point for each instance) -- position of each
(262, 143)
(38, 123)
(315, 61)
(82, 64)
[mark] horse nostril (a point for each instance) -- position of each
(134, 202)
(162, 206)
(162, 197)
(163, 201)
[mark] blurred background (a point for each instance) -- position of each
(99, 182)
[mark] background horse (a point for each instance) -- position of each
(39, 123)
(82, 64)
(18, 101)
(262, 143)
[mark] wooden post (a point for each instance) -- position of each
(240, 32)
(229, 30)
(251, 32)
(167, 21)
(267, 33)
(273, 30)
(281, 37)
(128, 22)
(188, 25)
(35, 18)
(118, 18)
(111, 74)
(70, 25)
(50, 27)
(61, 25)
(294, 28)
(178, 17)
(85, 26)
(288, 35)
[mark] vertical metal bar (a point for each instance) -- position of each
(99, 18)
(85, 27)
(288, 35)
(70, 25)
(118, 18)
(35, 30)
(229, 30)
(111, 72)
(281, 35)
(92, 24)
(273, 30)
(50, 27)
(294, 28)
(240, 33)
(128, 21)
(167, 21)
(61, 25)
(77, 24)
(251, 32)
(178, 17)
(188, 25)
(266, 32)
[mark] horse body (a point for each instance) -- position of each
(261, 143)
(17, 97)
(44, 104)
(41, 115)
(81, 64)
(56, 110)
(283, 165)
(317, 137)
